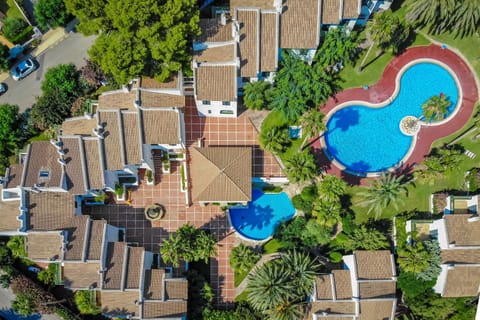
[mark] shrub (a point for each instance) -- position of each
(4, 53)
(23, 36)
(86, 302)
(12, 27)
(149, 175)
(336, 257)
(119, 189)
(272, 189)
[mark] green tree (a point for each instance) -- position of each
(4, 53)
(151, 37)
(331, 188)
(301, 167)
(382, 193)
(436, 108)
(254, 94)
(12, 26)
(243, 258)
(16, 244)
(362, 238)
(434, 261)
(388, 31)
(24, 305)
(302, 271)
(313, 125)
(50, 13)
(86, 303)
(411, 286)
(431, 306)
(189, 244)
(50, 109)
(327, 214)
(47, 276)
(338, 47)
(63, 78)
(413, 258)
(274, 139)
(9, 130)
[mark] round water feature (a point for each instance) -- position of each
(258, 220)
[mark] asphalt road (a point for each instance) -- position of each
(71, 50)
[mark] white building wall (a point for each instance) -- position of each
(217, 109)
(441, 279)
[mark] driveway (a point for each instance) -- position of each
(71, 50)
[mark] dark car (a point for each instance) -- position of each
(23, 69)
(3, 88)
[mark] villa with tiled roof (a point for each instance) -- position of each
(364, 289)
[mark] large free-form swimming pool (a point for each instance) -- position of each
(263, 214)
(368, 139)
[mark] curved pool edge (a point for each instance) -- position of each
(385, 87)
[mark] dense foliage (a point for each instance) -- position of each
(431, 306)
(338, 47)
(86, 302)
(301, 232)
(301, 167)
(255, 94)
(151, 37)
(10, 122)
(12, 27)
(50, 13)
(243, 258)
(388, 31)
(275, 139)
(361, 238)
(4, 53)
(436, 108)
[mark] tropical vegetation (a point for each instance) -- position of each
(275, 139)
(50, 13)
(360, 238)
(301, 167)
(86, 303)
(388, 31)
(312, 123)
(243, 258)
(255, 95)
(436, 108)
(338, 47)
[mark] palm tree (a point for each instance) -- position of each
(388, 31)
(466, 17)
(436, 108)
(327, 213)
(243, 258)
(286, 311)
(331, 188)
(16, 245)
(301, 167)
(414, 259)
(363, 238)
(205, 246)
(312, 123)
(269, 287)
(302, 270)
(338, 46)
(171, 250)
(274, 139)
(382, 193)
(254, 94)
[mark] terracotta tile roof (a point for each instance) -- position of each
(120, 303)
(216, 54)
(262, 4)
(351, 9)
(149, 99)
(167, 309)
(221, 174)
(47, 246)
(14, 177)
(161, 127)
(374, 264)
(323, 286)
(95, 241)
(134, 267)
(151, 83)
(74, 170)
(343, 284)
(377, 289)
(9, 211)
(79, 125)
(153, 283)
(216, 83)
(377, 309)
(93, 163)
(113, 145)
(331, 12)
(269, 42)
(77, 231)
(299, 25)
(117, 100)
(248, 48)
(333, 307)
(176, 289)
(460, 231)
(49, 210)
(42, 156)
(461, 256)
(115, 260)
(81, 275)
(462, 281)
(131, 136)
(213, 31)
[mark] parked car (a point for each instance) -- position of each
(34, 269)
(24, 68)
(3, 88)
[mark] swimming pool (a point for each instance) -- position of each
(263, 214)
(368, 139)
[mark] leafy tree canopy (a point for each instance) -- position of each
(148, 37)
(389, 31)
(12, 26)
(362, 238)
(255, 94)
(64, 78)
(24, 305)
(16, 244)
(50, 13)
(86, 302)
(338, 47)
(4, 53)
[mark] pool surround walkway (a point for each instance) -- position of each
(385, 89)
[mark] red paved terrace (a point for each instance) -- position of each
(212, 132)
(384, 89)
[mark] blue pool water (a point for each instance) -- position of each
(263, 214)
(366, 139)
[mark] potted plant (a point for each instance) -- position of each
(149, 176)
(119, 191)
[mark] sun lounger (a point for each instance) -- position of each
(470, 154)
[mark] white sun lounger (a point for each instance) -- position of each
(470, 154)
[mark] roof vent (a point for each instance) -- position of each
(98, 132)
(56, 144)
(474, 219)
(61, 161)
(223, 19)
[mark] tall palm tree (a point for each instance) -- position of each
(254, 94)
(414, 259)
(388, 31)
(312, 123)
(243, 257)
(436, 108)
(327, 213)
(301, 167)
(274, 139)
(171, 250)
(16, 244)
(382, 193)
(269, 287)
(331, 188)
(286, 311)
(302, 270)
(466, 17)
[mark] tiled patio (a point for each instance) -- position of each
(167, 192)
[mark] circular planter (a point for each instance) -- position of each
(409, 125)
(154, 212)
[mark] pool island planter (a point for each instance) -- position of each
(410, 125)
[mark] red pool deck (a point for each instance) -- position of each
(384, 89)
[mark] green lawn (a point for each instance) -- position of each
(239, 276)
(10, 9)
(272, 246)
(242, 296)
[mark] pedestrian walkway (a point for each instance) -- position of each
(6, 42)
